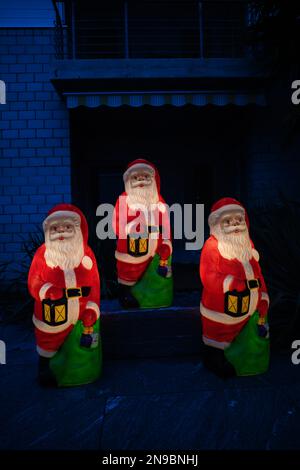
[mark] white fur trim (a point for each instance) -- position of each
(44, 353)
(169, 243)
(264, 296)
(87, 262)
(215, 344)
(213, 216)
(138, 166)
(255, 254)
(43, 290)
(222, 318)
(125, 283)
(60, 215)
(226, 283)
(94, 307)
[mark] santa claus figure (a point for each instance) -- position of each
(235, 301)
(144, 248)
(64, 282)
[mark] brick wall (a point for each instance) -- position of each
(34, 140)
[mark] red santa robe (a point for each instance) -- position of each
(42, 277)
(217, 273)
(131, 268)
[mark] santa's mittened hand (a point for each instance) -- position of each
(238, 285)
(164, 251)
(86, 341)
(162, 270)
(89, 317)
(54, 293)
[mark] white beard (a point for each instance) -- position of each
(65, 254)
(233, 246)
(146, 195)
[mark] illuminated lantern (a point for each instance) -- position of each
(64, 282)
(144, 248)
(234, 301)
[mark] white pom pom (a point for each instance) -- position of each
(255, 254)
(87, 262)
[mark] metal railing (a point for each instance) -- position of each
(164, 29)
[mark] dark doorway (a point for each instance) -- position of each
(198, 151)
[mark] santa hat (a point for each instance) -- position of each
(226, 204)
(68, 211)
(142, 164)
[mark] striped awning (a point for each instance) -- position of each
(161, 98)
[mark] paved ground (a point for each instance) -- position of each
(170, 403)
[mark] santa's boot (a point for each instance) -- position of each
(215, 361)
(45, 374)
(126, 298)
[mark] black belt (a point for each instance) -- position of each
(154, 229)
(253, 283)
(72, 292)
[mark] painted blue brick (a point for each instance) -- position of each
(17, 87)
(4, 180)
(44, 152)
(62, 152)
(17, 68)
(25, 77)
(5, 200)
(25, 58)
(11, 96)
(10, 134)
(44, 133)
(27, 152)
(4, 49)
(45, 170)
(10, 152)
(67, 198)
(43, 95)
(45, 40)
(35, 143)
(4, 143)
(6, 257)
(4, 124)
(5, 219)
(28, 228)
(5, 162)
(42, 58)
(26, 96)
(53, 142)
(37, 161)
(18, 106)
(51, 106)
(19, 143)
(37, 105)
(61, 132)
(48, 189)
(43, 114)
(35, 124)
(11, 172)
(37, 199)
(37, 180)
(5, 237)
(20, 124)
(4, 68)
(8, 59)
(41, 77)
(20, 180)
(52, 124)
(34, 86)
(28, 209)
(61, 170)
(54, 198)
(10, 40)
(19, 162)
(36, 218)
(20, 218)
(50, 179)
(28, 189)
(9, 115)
(60, 114)
(34, 68)
(34, 49)
(44, 209)
(11, 190)
(53, 161)
(30, 133)
(9, 77)
(13, 247)
(11, 209)
(25, 40)
(19, 49)
(26, 114)
(20, 200)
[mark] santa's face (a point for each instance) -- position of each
(141, 178)
(233, 223)
(233, 238)
(64, 243)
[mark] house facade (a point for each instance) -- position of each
(173, 81)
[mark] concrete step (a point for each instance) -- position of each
(165, 332)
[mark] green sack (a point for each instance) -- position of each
(249, 353)
(77, 365)
(153, 290)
